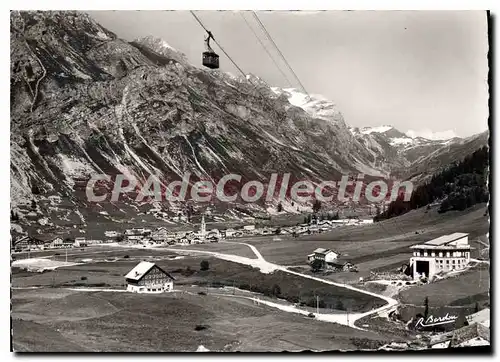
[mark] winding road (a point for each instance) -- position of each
(348, 319)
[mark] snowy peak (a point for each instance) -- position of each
(380, 129)
(314, 104)
(435, 136)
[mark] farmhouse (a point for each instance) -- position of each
(136, 239)
(342, 265)
(148, 277)
(138, 231)
(55, 243)
(68, 243)
(28, 242)
(80, 241)
(444, 254)
(162, 234)
(111, 234)
(325, 255)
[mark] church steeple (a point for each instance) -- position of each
(203, 229)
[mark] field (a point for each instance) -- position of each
(388, 238)
(59, 320)
(461, 290)
(56, 317)
(187, 272)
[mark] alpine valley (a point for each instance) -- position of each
(84, 101)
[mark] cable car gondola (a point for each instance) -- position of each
(210, 58)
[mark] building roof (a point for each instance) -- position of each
(28, 239)
(445, 239)
(321, 251)
(142, 269)
(461, 335)
(339, 262)
(442, 247)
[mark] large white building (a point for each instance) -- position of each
(444, 254)
(148, 277)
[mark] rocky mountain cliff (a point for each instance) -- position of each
(84, 101)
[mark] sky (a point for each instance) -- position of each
(423, 72)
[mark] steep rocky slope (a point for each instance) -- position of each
(84, 102)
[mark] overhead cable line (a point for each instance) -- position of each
(216, 42)
(267, 51)
(279, 51)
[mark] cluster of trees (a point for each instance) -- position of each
(458, 187)
(14, 216)
(327, 216)
(316, 206)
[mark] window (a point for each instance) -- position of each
(433, 254)
(425, 253)
(447, 262)
(453, 261)
(448, 254)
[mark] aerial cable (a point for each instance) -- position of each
(267, 51)
(279, 51)
(221, 48)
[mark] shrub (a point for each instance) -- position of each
(204, 265)
(316, 265)
(244, 286)
(311, 302)
(340, 305)
(276, 290)
(188, 272)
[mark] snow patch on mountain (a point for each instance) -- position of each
(430, 135)
(401, 141)
(380, 129)
(315, 105)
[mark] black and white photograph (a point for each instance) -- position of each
(250, 180)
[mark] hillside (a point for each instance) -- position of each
(458, 186)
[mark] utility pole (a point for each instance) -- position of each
(66, 255)
(234, 290)
(317, 305)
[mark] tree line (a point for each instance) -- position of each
(459, 186)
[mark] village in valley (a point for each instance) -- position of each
(387, 277)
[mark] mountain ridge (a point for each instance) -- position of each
(84, 101)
